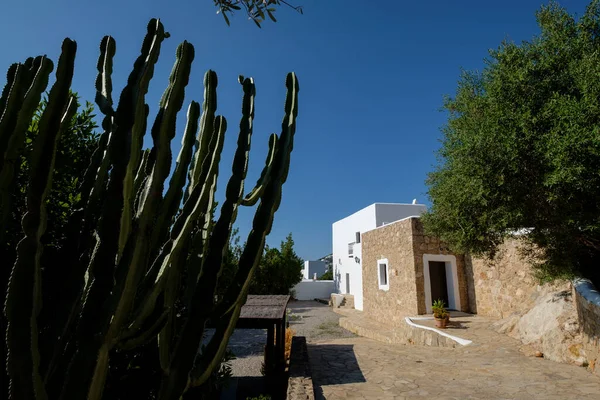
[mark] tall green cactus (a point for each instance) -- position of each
(133, 251)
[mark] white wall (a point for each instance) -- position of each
(344, 232)
(312, 267)
(310, 290)
(389, 212)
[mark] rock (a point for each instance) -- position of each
(529, 350)
(550, 329)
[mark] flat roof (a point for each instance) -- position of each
(375, 204)
(270, 307)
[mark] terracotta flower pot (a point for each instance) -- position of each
(441, 322)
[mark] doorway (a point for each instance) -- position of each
(441, 281)
(347, 283)
(439, 284)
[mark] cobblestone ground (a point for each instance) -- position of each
(315, 321)
(360, 368)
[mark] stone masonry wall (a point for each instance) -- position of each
(423, 244)
(403, 244)
(504, 285)
(393, 242)
(300, 384)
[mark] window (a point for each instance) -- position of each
(383, 274)
(351, 250)
(357, 234)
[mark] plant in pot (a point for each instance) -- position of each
(441, 315)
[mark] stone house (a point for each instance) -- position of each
(404, 271)
(347, 246)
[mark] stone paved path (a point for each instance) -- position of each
(361, 368)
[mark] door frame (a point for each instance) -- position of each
(451, 280)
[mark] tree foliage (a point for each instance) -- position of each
(257, 10)
(278, 272)
(327, 276)
(521, 149)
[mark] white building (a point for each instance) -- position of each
(347, 252)
(313, 267)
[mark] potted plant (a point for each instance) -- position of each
(441, 315)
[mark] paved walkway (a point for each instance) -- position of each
(492, 368)
(361, 368)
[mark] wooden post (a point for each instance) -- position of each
(281, 347)
(269, 349)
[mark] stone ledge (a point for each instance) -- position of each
(300, 385)
(362, 326)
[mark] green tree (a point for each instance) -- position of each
(327, 276)
(257, 10)
(521, 149)
(279, 270)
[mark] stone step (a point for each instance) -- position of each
(357, 323)
(348, 301)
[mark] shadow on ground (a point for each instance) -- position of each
(333, 364)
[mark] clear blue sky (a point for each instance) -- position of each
(372, 76)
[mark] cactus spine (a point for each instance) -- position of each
(130, 246)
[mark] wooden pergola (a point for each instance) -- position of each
(268, 312)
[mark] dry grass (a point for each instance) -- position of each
(289, 334)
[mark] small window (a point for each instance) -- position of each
(383, 274)
(351, 250)
(357, 234)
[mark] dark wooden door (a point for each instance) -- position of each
(437, 277)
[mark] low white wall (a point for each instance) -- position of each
(310, 290)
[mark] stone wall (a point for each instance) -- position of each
(394, 242)
(300, 385)
(560, 321)
(423, 244)
(587, 302)
(503, 285)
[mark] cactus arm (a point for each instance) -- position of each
(141, 177)
(263, 219)
(13, 95)
(99, 163)
(10, 77)
(176, 184)
(252, 198)
(234, 191)
(209, 108)
(138, 131)
(41, 68)
(24, 291)
(104, 80)
(146, 333)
